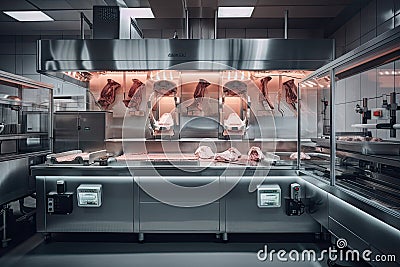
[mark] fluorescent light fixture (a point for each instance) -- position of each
(235, 11)
(139, 12)
(28, 15)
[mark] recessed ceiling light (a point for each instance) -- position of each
(139, 12)
(235, 11)
(28, 15)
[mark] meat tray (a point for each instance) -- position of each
(363, 147)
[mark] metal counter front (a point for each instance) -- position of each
(126, 207)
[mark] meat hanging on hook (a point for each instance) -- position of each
(264, 91)
(135, 93)
(107, 95)
(291, 93)
(198, 95)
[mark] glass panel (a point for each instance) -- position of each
(315, 125)
(368, 146)
(24, 120)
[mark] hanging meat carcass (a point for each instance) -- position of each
(198, 95)
(134, 95)
(165, 88)
(264, 90)
(291, 93)
(235, 88)
(107, 95)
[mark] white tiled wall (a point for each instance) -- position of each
(374, 19)
(371, 84)
(18, 55)
(341, 106)
(247, 33)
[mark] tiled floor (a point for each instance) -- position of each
(34, 252)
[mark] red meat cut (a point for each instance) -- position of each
(134, 95)
(107, 96)
(264, 91)
(291, 93)
(198, 95)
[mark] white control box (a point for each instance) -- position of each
(295, 191)
(89, 195)
(269, 196)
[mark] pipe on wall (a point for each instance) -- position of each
(187, 23)
(286, 23)
(215, 23)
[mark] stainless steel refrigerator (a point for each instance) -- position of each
(84, 130)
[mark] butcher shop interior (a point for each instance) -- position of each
(205, 133)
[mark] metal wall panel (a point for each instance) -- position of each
(244, 216)
(159, 217)
(368, 18)
(156, 216)
(373, 231)
(14, 179)
(114, 215)
(317, 203)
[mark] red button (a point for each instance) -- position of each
(377, 113)
(296, 188)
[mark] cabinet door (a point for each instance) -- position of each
(180, 210)
(66, 132)
(14, 179)
(92, 126)
(115, 215)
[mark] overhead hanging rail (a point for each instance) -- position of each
(379, 51)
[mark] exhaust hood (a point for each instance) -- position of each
(55, 56)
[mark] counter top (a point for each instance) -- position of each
(149, 164)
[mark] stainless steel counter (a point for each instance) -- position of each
(128, 206)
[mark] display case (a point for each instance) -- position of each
(25, 123)
(357, 131)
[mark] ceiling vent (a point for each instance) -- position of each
(106, 22)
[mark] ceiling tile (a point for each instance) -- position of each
(303, 2)
(193, 3)
(87, 4)
(137, 3)
(61, 15)
(201, 12)
(155, 23)
(51, 4)
(237, 2)
(8, 5)
(297, 11)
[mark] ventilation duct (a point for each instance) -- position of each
(114, 22)
(106, 22)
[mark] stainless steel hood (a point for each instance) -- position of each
(155, 54)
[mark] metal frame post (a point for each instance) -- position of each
(286, 23)
(83, 20)
(51, 120)
(5, 240)
(82, 26)
(332, 134)
(298, 126)
(187, 23)
(216, 24)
